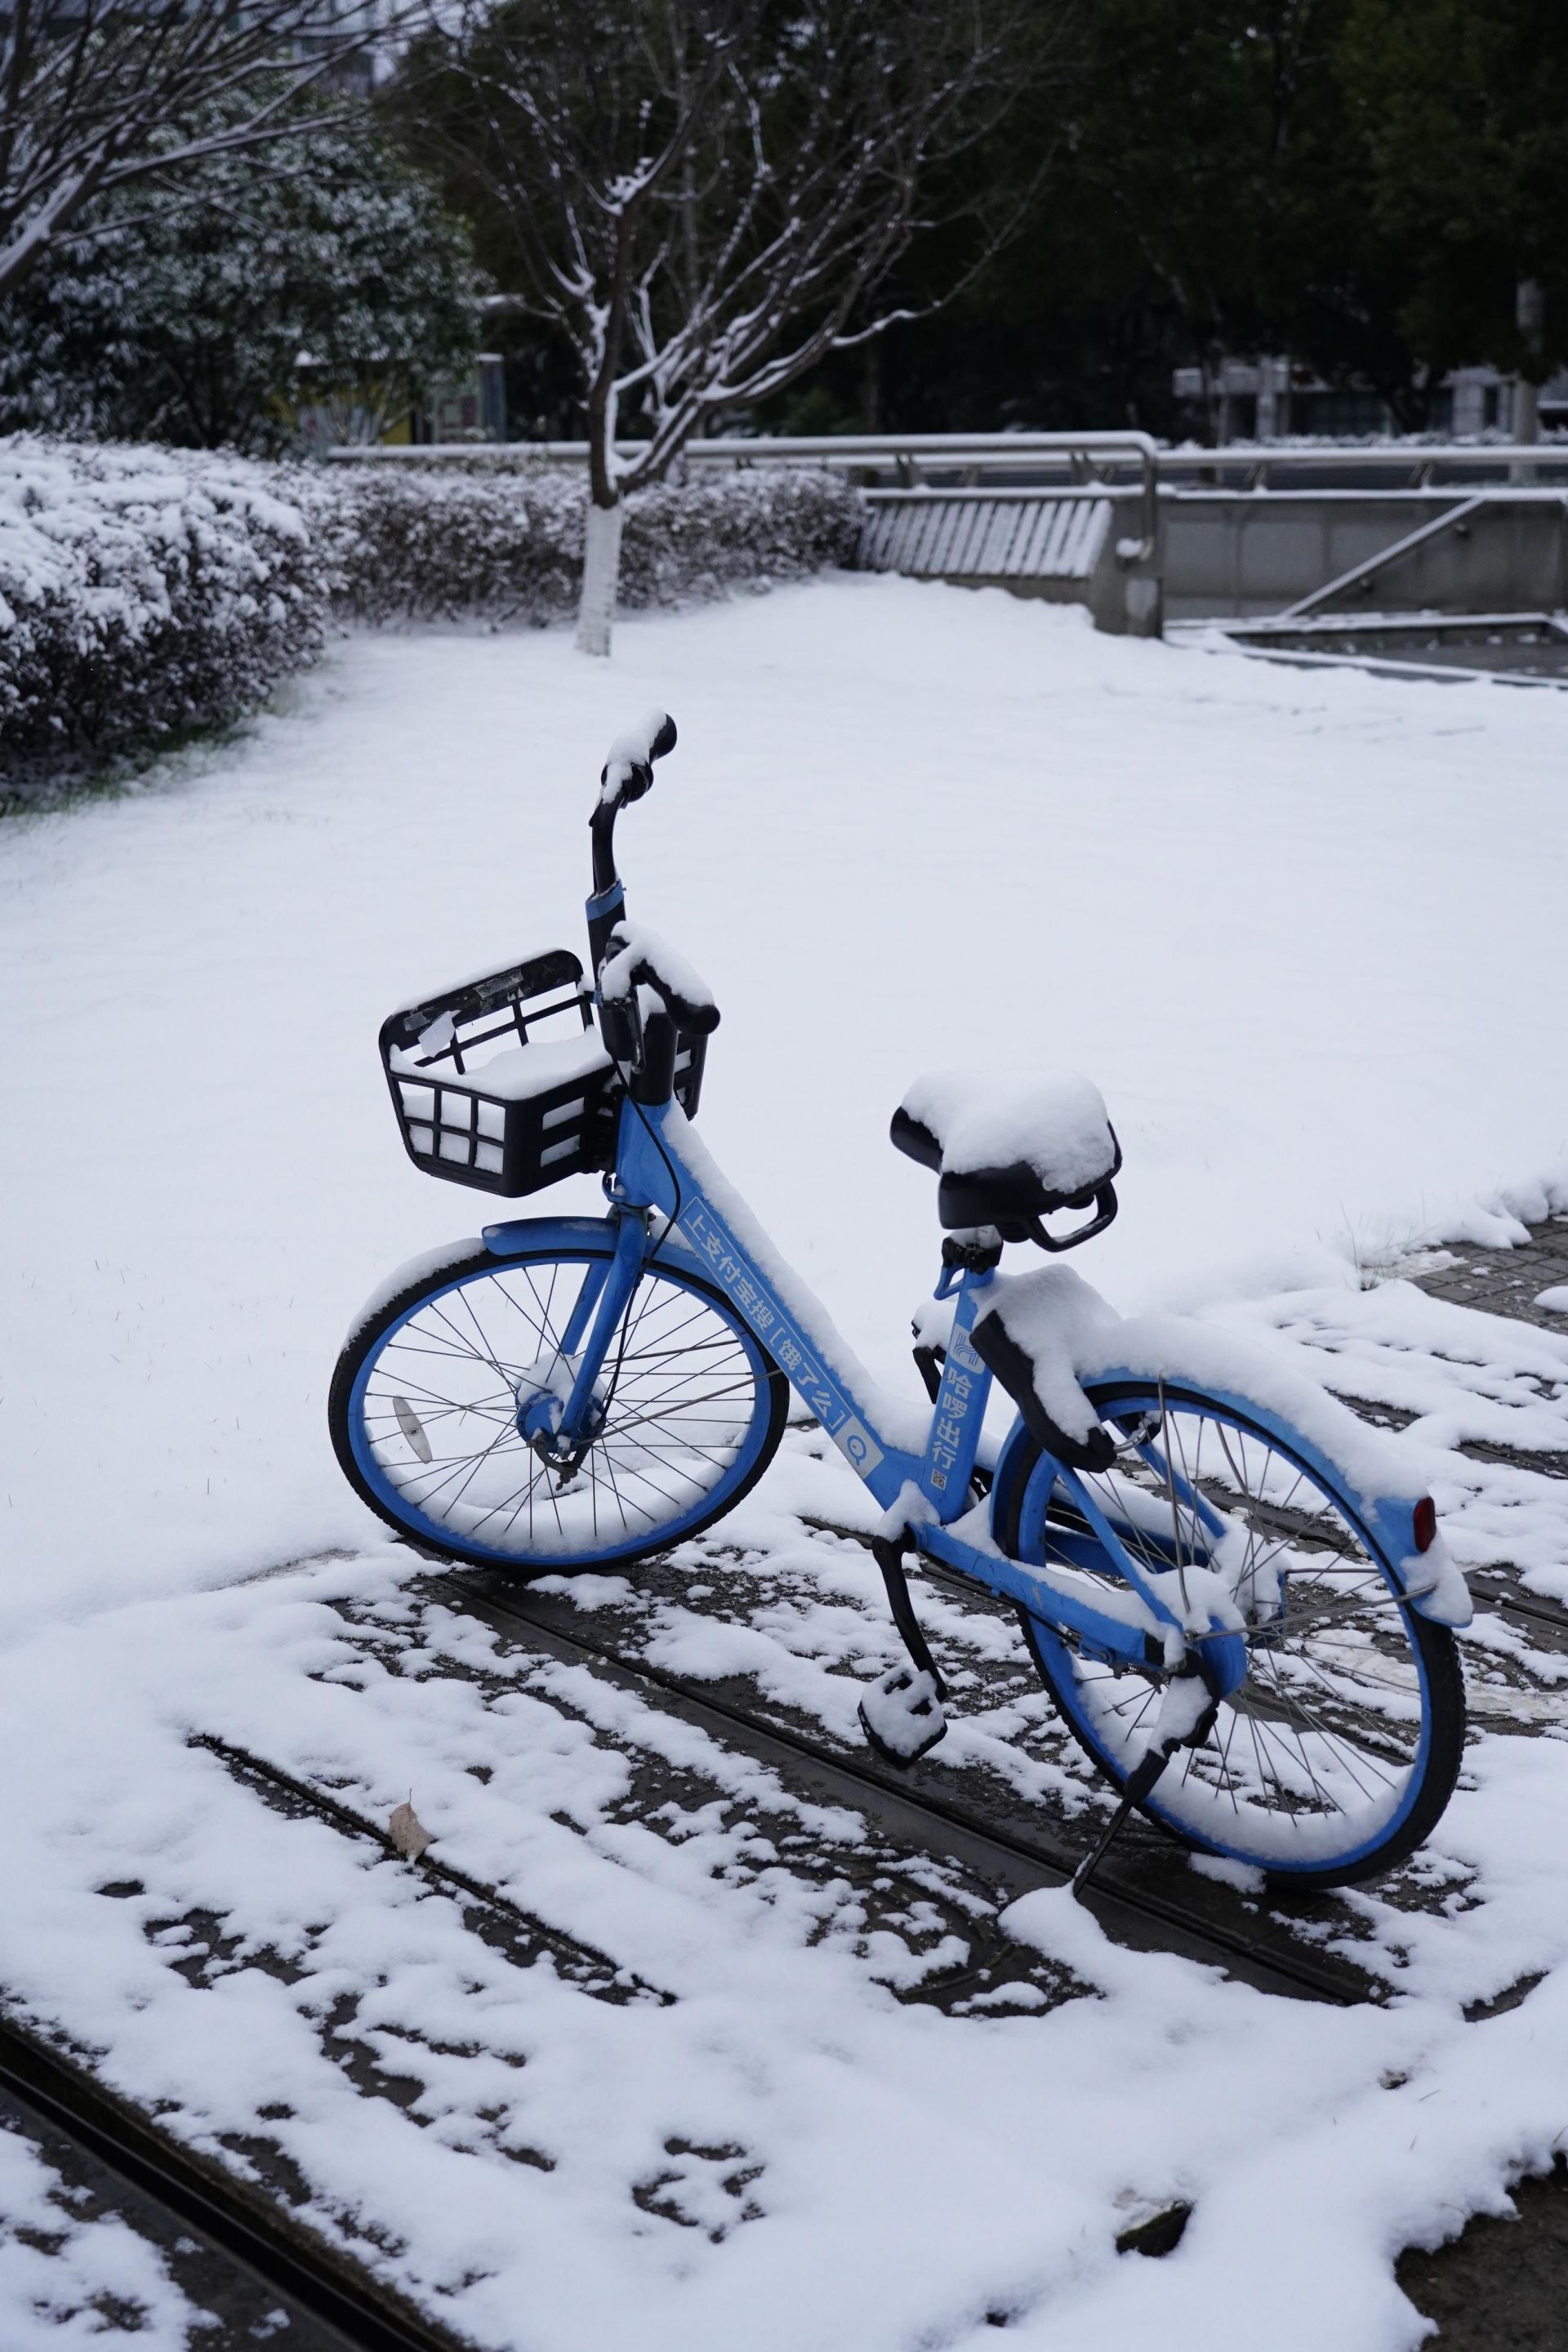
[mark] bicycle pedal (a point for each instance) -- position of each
(901, 1715)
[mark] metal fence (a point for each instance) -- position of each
(963, 460)
(1137, 531)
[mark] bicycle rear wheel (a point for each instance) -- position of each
(425, 1404)
(1339, 1751)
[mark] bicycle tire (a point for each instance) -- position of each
(690, 1421)
(1327, 1708)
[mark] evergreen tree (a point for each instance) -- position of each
(329, 275)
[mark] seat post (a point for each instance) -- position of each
(968, 1268)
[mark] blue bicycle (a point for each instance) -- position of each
(1234, 1596)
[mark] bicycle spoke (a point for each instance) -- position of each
(678, 1395)
(1313, 1755)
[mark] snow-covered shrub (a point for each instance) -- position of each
(714, 532)
(143, 592)
(402, 542)
(407, 542)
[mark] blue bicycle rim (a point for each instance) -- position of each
(1193, 1798)
(700, 1315)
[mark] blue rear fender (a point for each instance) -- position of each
(1389, 1521)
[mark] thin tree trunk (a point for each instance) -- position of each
(601, 572)
(871, 387)
(1530, 312)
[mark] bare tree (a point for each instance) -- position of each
(94, 93)
(703, 198)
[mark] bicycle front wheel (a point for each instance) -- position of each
(1336, 1756)
(425, 1410)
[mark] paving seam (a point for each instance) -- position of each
(287, 2258)
(245, 1764)
(292, 2262)
(1129, 1913)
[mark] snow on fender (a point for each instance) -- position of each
(1448, 1602)
(402, 1278)
(1076, 1340)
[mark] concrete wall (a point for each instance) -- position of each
(1240, 552)
(1234, 554)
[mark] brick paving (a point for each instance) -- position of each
(1509, 1281)
(1503, 2285)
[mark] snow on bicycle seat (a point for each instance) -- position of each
(1009, 1146)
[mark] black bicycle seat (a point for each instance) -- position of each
(1008, 1150)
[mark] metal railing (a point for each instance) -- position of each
(911, 458)
(1087, 462)
(1408, 466)
(1122, 465)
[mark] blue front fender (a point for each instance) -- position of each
(520, 1234)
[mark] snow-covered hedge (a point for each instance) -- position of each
(143, 592)
(411, 542)
(146, 592)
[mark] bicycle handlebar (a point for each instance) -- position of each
(625, 956)
(627, 775)
(628, 771)
(639, 958)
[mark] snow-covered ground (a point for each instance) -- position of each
(1304, 930)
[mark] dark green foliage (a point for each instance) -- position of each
(208, 312)
(1361, 183)
(1462, 108)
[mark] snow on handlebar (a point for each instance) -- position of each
(627, 770)
(639, 957)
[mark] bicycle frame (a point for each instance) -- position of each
(668, 1195)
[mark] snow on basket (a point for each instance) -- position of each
(501, 1081)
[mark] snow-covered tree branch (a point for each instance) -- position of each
(702, 198)
(108, 91)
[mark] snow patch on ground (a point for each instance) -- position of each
(763, 2145)
(1285, 921)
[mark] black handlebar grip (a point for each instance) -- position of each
(701, 1020)
(628, 771)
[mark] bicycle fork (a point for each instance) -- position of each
(560, 1404)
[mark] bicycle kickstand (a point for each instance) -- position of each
(1139, 1782)
(1188, 1714)
(902, 1713)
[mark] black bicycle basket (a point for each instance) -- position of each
(503, 1082)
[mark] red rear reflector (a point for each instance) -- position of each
(1426, 1519)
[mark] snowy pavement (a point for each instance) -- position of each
(1303, 931)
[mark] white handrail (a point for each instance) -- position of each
(855, 449)
(905, 462)
(869, 451)
(841, 452)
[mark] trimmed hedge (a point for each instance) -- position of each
(411, 542)
(143, 592)
(146, 592)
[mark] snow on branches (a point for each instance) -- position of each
(702, 198)
(101, 93)
(331, 279)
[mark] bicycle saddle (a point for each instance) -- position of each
(1009, 1150)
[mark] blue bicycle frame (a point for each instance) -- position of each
(667, 1196)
